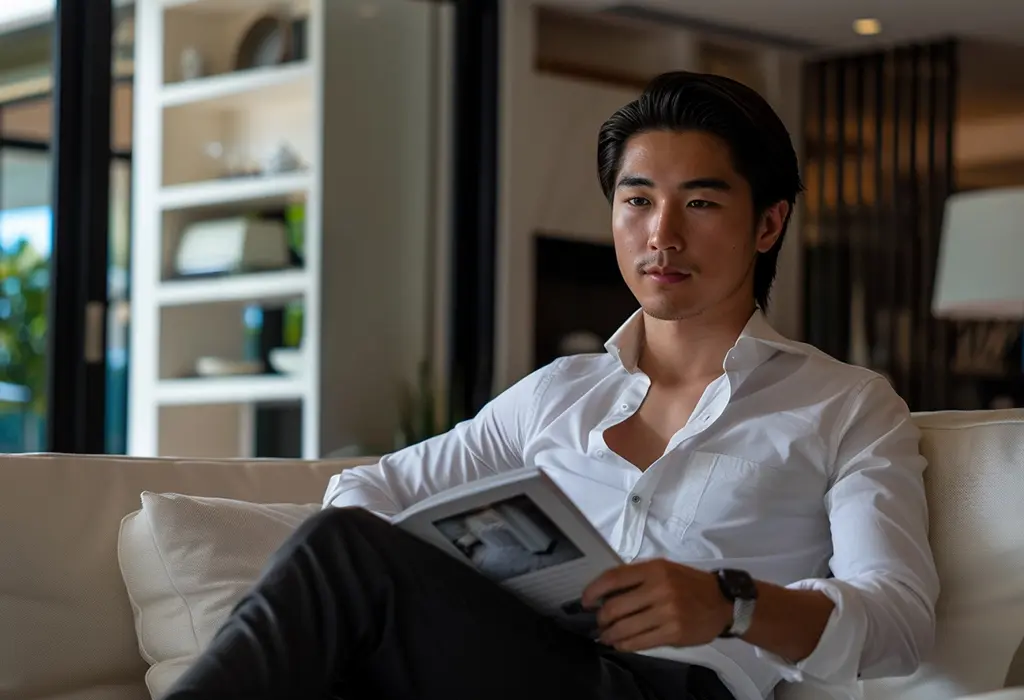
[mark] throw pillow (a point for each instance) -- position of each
(186, 561)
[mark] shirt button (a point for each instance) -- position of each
(599, 454)
(705, 418)
(635, 499)
(624, 407)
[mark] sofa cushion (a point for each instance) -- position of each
(975, 486)
(66, 626)
(186, 562)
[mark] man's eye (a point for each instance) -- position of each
(638, 201)
(700, 204)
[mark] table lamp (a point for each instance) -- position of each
(981, 258)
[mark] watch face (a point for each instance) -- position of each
(737, 584)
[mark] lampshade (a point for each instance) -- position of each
(981, 259)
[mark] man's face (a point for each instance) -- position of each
(684, 225)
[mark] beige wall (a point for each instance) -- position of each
(783, 71)
(989, 139)
(32, 120)
(548, 183)
(383, 208)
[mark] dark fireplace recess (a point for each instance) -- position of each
(580, 298)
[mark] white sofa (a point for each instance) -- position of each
(66, 627)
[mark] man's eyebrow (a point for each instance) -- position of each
(701, 183)
(634, 181)
(706, 183)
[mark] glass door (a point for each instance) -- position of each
(64, 225)
(119, 232)
(25, 247)
(26, 243)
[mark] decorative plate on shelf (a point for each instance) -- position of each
(267, 43)
(222, 367)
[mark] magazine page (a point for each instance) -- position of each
(520, 530)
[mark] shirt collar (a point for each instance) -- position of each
(757, 342)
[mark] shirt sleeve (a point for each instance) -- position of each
(490, 443)
(884, 583)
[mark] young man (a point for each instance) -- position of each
(767, 498)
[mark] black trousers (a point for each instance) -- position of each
(352, 607)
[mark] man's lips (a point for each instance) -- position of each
(666, 275)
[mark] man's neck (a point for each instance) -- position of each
(690, 350)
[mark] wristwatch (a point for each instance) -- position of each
(740, 589)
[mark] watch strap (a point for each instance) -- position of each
(739, 588)
(742, 617)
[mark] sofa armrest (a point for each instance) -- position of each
(1007, 694)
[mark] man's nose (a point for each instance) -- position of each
(666, 231)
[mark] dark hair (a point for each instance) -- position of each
(762, 151)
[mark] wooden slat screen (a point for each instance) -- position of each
(878, 167)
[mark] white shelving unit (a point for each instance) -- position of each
(245, 88)
(373, 202)
(226, 390)
(257, 287)
(244, 190)
(177, 321)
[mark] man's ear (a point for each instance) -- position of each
(769, 228)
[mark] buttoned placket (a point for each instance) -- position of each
(642, 485)
(634, 514)
(706, 413)
(631, 522)
(638, 499)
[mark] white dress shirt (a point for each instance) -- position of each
(795, 467)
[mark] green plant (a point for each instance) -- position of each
(294, 317)
(419, 419)
(24, 292)
(295, 221)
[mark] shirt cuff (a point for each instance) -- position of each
(836, 659)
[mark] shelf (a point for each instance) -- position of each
(242, 90)
(217, 6)
(228, 390)
(277, 188)
(253, 287)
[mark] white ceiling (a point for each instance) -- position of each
(15, 14)
(828, 23)
(18, 14)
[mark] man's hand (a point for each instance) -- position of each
(658, 603)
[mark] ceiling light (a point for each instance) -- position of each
(867, 26)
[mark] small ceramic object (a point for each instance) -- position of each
(287, 361)
(223, 367)
(191, 63)
(230, 160)
(282, 159)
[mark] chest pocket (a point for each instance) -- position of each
(721, 491)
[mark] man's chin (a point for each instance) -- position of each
(663, 310)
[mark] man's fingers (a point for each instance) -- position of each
(651, 639)
(613, 581)
(624, 605)
(629, 627)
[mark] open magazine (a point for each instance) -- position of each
(520, 530)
